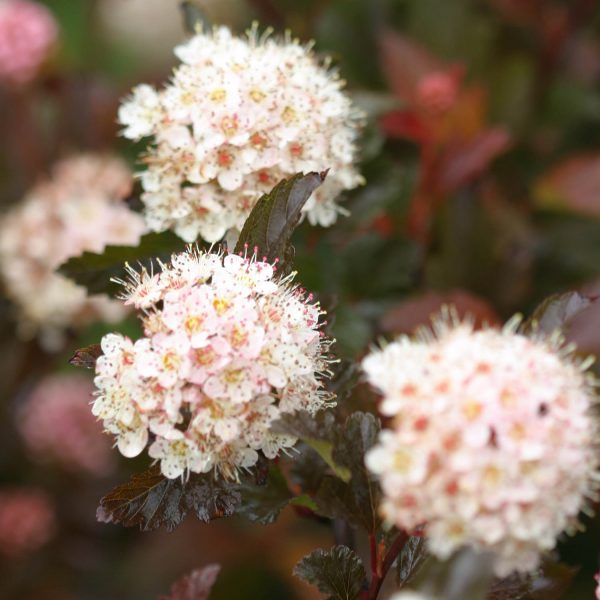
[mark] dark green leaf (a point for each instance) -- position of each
(337, 573)
(359, 435)
(411, 559)
(556, 311)
(150, 500)
(263, 503)
(194, 18)
(275, 216)
(548, 582)
(95, 271)
(86, 357)
(195, 585)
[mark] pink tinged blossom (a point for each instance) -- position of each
(491, 439)
(597, 578)
(193, 311)
(27, 521)
(225, 130)
(207, 361)
(79, 208)
(28, 32)
(239, 381)
(164, 358)
(214, 368)
(56, 425)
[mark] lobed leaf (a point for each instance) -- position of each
(411, 558)
(338, 573)
(308, 469)
(359, 435)
(303, 425)
(150, 500)
(95, 271)
(263, 503)
(270, 225)
(195, 585)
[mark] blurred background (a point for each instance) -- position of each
(482, 160)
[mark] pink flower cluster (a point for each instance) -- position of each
(238, 116)
(80, 208)
(491, 442)
(56, 425)
(27, 33)
(27, 521)
(228, 348)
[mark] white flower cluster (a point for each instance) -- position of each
(80, 208)
(228, 348)
(492, 443)
(238, 116)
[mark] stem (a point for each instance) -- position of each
(373, 548)
(378, 578)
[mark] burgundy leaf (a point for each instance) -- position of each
(573, 184)
(406, 316)
(150, 500)
(405, 124)
(405, 62)
(195, 585)
(464, 161)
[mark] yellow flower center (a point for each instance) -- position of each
(257, 95)
(171, 361)
(221, 305)
(218, 95)
(288, 115)
(233, 376)
(193, 324)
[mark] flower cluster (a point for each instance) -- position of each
(491, 443)
(27, 33)
(80, 208)
(56, 424)
(238, 116)
(228, 348)
(27, 521)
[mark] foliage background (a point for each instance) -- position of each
(493, 207)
